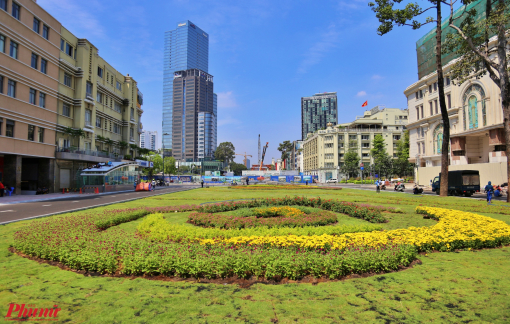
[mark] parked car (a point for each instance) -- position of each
(332, 180)
(462, 182)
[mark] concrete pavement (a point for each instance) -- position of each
(27, 210)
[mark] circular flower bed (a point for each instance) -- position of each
(269, 217)
(81, 242)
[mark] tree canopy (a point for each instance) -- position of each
(225, 152)
(237, 168)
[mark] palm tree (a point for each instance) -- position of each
(123, 145)
(109, 142)
(134, 148)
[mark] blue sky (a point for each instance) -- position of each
(264, 56)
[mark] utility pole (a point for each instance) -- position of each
(259, 149)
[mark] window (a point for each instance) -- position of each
(89, 89)
(66, 110)
(88, 117)
(366, 145)
(69, 50)
(99, 72)
(1, 123)
(2, 42)
(119, 85)
(132, 114)
(417, 112)
(3, 5)
(15, 10)
(447, 81)
(44, 66)
(11, 88)
(98, 121)
(430, 88)
(99, 97)
(435, 86)
(435, 106)
(67, 79)
(46, 32)
(421, 111)
(431, 110)
(41, 135)
(35, 58)
(37, 25)
(14, 50)
(396, 137)
(365, 155)
(449, 101)
(9, 128)
(1, 84)
(31, 132)
(116, 106)
(42, 100)
(62, 45)
(116, 128)
(131, 132)
(364, 137)
(33, 93)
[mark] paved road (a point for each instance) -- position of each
(14, 212)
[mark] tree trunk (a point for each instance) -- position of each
(504, 86)
(444, 112)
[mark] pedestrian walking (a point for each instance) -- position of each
(2, 188)
(202, 182)
(489, 189)
(377, 186)
(247, 181)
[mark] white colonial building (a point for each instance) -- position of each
(476, 128)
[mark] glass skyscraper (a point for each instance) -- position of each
(186, 47)
(317, 111)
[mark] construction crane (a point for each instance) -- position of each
(263, 154)
(245, 158)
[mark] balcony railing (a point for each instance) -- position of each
(76, 150)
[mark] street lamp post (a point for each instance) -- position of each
(163, 142)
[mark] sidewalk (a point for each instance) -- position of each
(18, 199)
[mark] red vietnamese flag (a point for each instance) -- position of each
(364, 104)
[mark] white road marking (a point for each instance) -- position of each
(114, 196)
(6, 211)
(96, 198)
(76, 201)
(46, 205)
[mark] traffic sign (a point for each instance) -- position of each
(362, 168)
(361, 165)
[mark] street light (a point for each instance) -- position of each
(163, 142)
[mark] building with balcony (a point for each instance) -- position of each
(98, 110)
(324, 150)
(476, 119)
(29, 92)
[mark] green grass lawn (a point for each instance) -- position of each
(455, 287)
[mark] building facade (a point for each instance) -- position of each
(29, 92)
(324, 150)
(193, 116)
(149, 140)
(98, 101)
(186, 47)
(63, 107)
(296, 156)
(317, 111)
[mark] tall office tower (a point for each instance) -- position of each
(186, 47)
(317, 111)
(193, 115)
(149, 140)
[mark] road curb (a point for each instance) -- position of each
(90, 207)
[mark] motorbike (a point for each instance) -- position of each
(417, 190)
(399, 188)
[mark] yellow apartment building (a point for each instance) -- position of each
(101, 105)
(323, 150)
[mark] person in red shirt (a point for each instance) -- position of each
(2, 187)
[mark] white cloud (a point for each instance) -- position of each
(317, 51)
(226, 100)
(352, 4)
(376, 77)
(361, 94)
